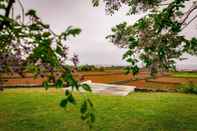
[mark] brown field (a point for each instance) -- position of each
(106, 78)
(166, 82)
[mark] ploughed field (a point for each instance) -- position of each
(35, 109)
(167, 82)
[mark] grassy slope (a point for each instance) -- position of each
(34, 109)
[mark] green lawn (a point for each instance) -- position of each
(38, 110)
(185, 74)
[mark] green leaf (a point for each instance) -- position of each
(127, 70)
(67, 93)
(46, 85)
(129, 60)
(86, 87)
(95, 3)
(135, 69)
(92, 117)
(31, 13)
(71, 99)
(179, 13)
(35, 27)
(67, 76)
(71, 31)
(90, 103)
(74, 31)
(127, 54)
(63, 103)
(85, 116)
(83, 108)
(176, 27)
(46, 34)
(147, 62)
(59, 83)
(59, 50)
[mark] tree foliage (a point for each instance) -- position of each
(111, 6)
(154, 39)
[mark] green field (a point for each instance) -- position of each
(38, 110)
(185, 74)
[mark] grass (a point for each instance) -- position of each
(185, 74)
(38, 110)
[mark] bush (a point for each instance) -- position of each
(86, 68)
(188, 88)
(90, 68)
(101, 69)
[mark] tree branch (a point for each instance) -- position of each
(188, 14)
(189, 22)
(23, 11)
(7, 12)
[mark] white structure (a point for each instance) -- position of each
(110, 89)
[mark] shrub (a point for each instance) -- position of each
(101, 69)
(188, 88)
(86, 68)
(90, 68)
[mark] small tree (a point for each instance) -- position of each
(27, 43)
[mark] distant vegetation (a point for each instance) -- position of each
(185, 74)
(188, 88)
(90, 68)
(98, 68)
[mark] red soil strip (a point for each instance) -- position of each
(173, 80)
(102, 77)
(24, 81)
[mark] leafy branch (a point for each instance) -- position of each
(31, 45)
(155, 39)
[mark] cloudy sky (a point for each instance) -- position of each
(90, 45)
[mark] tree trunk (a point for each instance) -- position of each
(1, 84)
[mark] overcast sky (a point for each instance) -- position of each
(90, 45)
